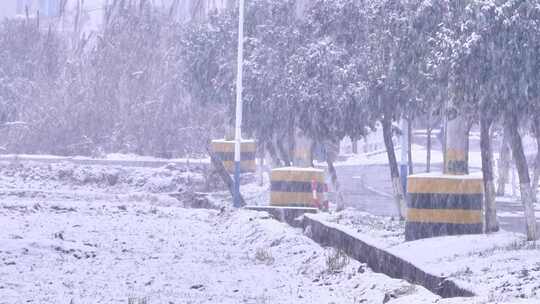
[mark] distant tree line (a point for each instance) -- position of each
(120, 89)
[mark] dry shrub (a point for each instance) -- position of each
(336, 261)
(264, 255)
(118, 90)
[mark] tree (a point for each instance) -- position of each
(270, 95)
(272, 35)
(475, 79)
(522, 41)
(536, 132)
(335, 65)
(493, 76)
(399, 70)
(330, 71)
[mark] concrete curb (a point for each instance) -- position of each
(380, 260)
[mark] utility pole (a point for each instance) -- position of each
(238, 127)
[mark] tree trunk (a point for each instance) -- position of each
(456, 151)
(218, 165)
(536, 175)
(492, 224)
(285, 156)
(291, 143)
(272, 151)
(409, 148)
(428, 144)
(394, 171)
(467, 147)
(332, 152)
(354, 143)
(261, 165)
(312, 149)
(504, 165)
(302, 154)
(335, 184)
(525, 188)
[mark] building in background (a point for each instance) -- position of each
(188, 10)
(14, 8)
(58, 12)
(91, 12)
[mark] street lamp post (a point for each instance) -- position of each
(238, 126)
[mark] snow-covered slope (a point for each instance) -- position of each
(88, 242)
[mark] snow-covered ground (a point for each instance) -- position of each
(103, 234)
(91, 234)
(103, 252)
(498, 267)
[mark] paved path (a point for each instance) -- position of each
(371, 192)
(367, 188)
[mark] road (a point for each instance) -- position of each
(368, 188)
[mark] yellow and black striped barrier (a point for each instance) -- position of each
(440, 204)
(297, 187)
(224, 149)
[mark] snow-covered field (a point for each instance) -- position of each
(74, 234)
(104, 252)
